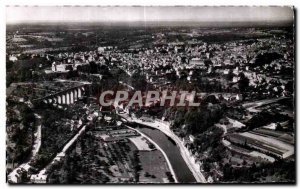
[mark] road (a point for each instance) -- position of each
(252, 105)
(42, 175)
(14, 175)
(129, 86)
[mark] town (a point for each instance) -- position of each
(236, 125)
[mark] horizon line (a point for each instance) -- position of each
(279, 22)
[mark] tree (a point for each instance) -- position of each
(24, 176)
(230, 75)
(243, 83)
(147, 174)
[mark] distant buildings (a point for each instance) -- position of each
(59, 67)
(196, 63)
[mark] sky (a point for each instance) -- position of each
(23, 14)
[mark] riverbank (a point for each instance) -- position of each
(165, 128)
(161, 150)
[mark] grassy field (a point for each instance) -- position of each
(154, 166)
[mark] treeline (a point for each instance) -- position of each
(198, 120)
(55, 133)
(279, 171)
(24, 69)
(265, 118)
(21, 133)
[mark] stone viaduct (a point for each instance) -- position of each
(68, 96)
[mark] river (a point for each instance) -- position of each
(182, 171)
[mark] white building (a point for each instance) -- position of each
(12, 58)
(41, 179)
(59, 67)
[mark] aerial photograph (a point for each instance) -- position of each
(150, 95)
